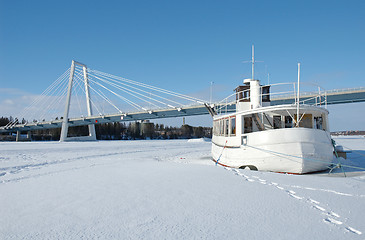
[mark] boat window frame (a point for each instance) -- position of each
(249, 130)
(265, 93)
(277, 124)
(221, 129)
(244, 140)
(226, 127)
(232, 127)
(215, 128)
(318, 122)
(306, 120)
(290, 121)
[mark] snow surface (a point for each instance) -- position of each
(169, 190)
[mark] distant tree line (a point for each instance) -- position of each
(122, 131)
(4, 120)
(346, 133)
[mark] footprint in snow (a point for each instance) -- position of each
(237, 172)
(314, 203)
(334, 214)
(14, 171)
(353, 230)
(331, 220)
(262, 181)
(295, 196)
(319, 208)
(291, 193)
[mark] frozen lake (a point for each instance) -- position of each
(169, 190)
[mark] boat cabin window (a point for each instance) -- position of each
(221, 128)
(305, 121)
(246, 94)
(243, 93)
(226, 127)
(233, 126)
(277, 122)
(288, 122)
(318, 122)
(215, 127)
(247, 125)
(266, 94)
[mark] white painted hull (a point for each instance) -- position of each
(292, 150)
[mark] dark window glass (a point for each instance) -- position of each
(233, 126)
(288, 122)
(318, 122)
(226, 127)
(266, 94)
(247, 125)
(277, 121)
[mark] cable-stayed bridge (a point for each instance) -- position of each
(111, 98)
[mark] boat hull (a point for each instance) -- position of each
(292, 150)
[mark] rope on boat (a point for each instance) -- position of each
(309, 159)
(216, 163)
(338, 165)
(354, 151)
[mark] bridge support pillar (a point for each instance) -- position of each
(65, 122)
(29, 135)
(17, 138)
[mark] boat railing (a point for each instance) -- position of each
(357, 89)
(285, 92)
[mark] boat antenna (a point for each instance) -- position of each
(268, 75)
(253, 61)
(211, 92)
(298, 94)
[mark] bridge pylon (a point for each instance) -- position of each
(65, 122)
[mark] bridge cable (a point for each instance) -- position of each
(151, 87)
(37, 100)
(135, 105)
(129, 92)
(146, 92)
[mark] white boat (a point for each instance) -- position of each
(290, 138)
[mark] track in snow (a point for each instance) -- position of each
(330, 217)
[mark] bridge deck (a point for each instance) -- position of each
(333, 97)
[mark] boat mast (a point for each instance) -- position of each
(298, 95)
(253, 61)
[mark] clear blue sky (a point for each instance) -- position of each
(183, 45)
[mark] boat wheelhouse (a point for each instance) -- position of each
(292, 138)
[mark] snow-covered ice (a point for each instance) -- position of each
(169, 190)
